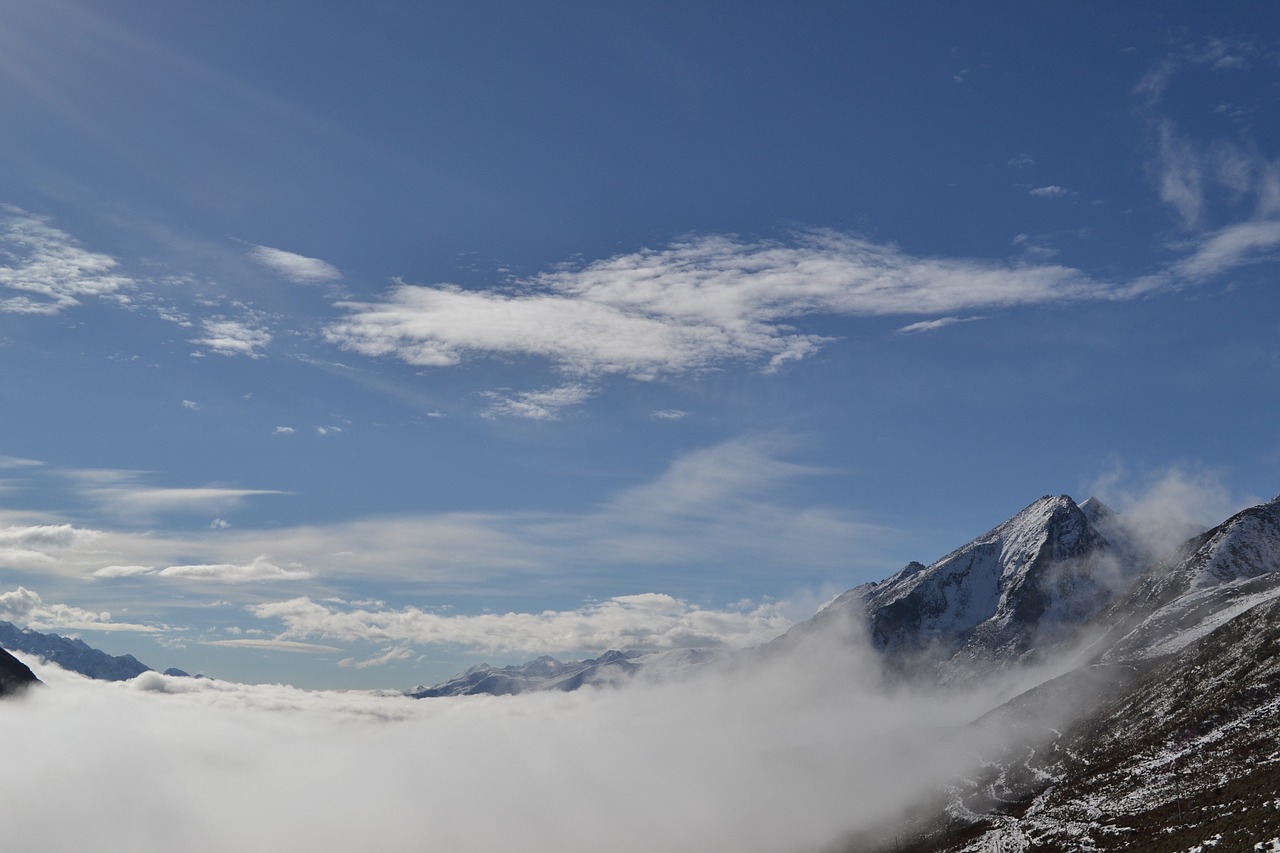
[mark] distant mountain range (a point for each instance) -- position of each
(547, 673)
(75, 655)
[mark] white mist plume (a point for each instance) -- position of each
(1163, 510)
(781, 757)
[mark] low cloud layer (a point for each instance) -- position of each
(784, 759)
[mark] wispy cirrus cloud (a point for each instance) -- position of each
(126, 494)
(275, 645)
(644, 621)
(693, 305)
(1196, 177)
(296, 268)
(730, 505)
(1230, 247)
(259, 569)
(19, 462)
(44, 271)
(934, 325)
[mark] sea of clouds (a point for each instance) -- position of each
(782, 756)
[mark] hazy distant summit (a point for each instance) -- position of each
(547, 673)
(71, 654)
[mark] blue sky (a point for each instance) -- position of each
(351, 344)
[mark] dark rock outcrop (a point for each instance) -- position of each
(15, 676)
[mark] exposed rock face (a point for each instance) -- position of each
(15, 676)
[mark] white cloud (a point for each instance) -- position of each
(294, 267)
(541, 405)
(390, 654)
(259, 569)
(1153, 84)
(25, 607)
(18, 462)
(692, 305)
(233, 337)
(647, 621)
(734, 504)
(1050, 191)
(44, 271)
(1231, 247)
(275, 646)
(1223, 54)
(668, 414)
(120, 493)
(41, 546)
(1165, 507)
(284, 430)
(191, 404)
(1178, 174)
(932, 325)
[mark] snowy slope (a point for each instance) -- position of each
(1202, 585)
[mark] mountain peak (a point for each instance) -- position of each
(1035, 577)
(1095, 509)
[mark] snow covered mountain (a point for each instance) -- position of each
(1166, 737)
(75, 655)
(1027, 586)
(1204, 583)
